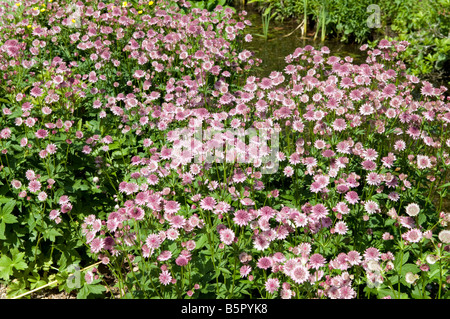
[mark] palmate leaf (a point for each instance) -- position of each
(7, 265)
(90, 291)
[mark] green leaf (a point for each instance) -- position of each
(410, 268)
(6, 267)
(5, 213)
(445, 185)
(91, 290)
(9, 206)
(2, 231)
(400, 261)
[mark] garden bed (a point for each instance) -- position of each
(141, 158)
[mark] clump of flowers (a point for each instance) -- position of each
(139, 128)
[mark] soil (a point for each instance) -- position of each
(42, 294)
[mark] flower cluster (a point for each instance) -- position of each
(143, 124)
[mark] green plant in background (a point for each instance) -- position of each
(305, 17)
(210, 4)
(426, 26)
(266, 16)
(321, 20)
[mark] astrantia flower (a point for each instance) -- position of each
(264, 263)
(341, 228)
(172, 234)
(165, 278)
(34, 186)
(412, 209)
(423, 162)
(369, 165)
(182, 261)
(16, 184)
(42, 196)
(410, 277)
(36, 91)
(208, 203)
(300, 219)
(96, 245)
(177, 221)
(342, 208)
(354, 257)
(245, 271)
(347, 292)
(227, 236)
(153, 241)
(164, 255)
(241, 217)
(41, 133)
(316, 261)
(300, 274)
(260, 243)
(444, 236)
(372, 253)
(371, 207)
(272, 285)
(352, 197)
(319, 211)
(413, 235)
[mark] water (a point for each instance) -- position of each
(283, 39)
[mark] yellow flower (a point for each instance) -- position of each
(43, 4)
(29, 26)
(140, 11)
(36, 8)
(150, 3)
(42, 10)
(73, 21)
(124, 4)
(18, 4)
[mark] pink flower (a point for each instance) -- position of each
(371, 253)
(413, 235)
(272, 285)
(241, 217)
(96, 245)
(164, 255)
(354, 257)
(34, 186)
(208, 203)
(412, 209)
(42, 196)
(352, 197)
(341, 228)
(165, 278)
(227, 236)
(423, 162)
(41, 133)
(245, 271)
(264, 263)
(182, 261)
(316, 261)
(153, 241)
(371, 207)
(300, 274)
